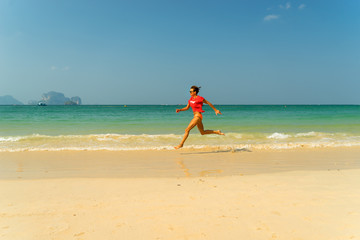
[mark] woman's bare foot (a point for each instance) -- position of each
(219, 132)
(177, 147)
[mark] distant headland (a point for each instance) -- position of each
(9, 100)
(50, 98)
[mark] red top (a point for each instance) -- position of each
(196, 104)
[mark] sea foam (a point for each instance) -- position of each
(128, 142)
(278, 136)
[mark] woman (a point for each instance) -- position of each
(196, 102)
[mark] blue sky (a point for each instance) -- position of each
(151, 52)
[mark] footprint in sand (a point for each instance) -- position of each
(79, 234)
(208, 172)
(276, 213)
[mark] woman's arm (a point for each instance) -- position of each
(183, 109)
(212, 106)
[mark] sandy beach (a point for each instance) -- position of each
(288, 194)
(179, 120)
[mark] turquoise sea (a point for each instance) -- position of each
(34, 128)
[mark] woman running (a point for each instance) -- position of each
(196, 102)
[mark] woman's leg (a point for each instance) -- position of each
(203, 132)
(192, 124)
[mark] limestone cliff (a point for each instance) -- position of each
(56, 98)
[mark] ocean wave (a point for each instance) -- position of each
(128, 142)
(278, 136)
(10, 139)
(308, 134)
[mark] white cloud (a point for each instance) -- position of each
(271, 17)
(302, 6)
(55, 68)
(286, 6)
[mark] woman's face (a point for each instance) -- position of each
(192, 92)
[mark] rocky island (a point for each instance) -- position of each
(50, 98)
(56, 98)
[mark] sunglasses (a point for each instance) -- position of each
(191, 91)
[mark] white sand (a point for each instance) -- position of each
(200, 201)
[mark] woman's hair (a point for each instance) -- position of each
(196, 89)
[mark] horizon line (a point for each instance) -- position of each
(228, 104)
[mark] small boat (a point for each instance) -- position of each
(42, 104)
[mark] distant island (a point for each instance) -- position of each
(50, 98)
(9, 100)
(57, 98)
